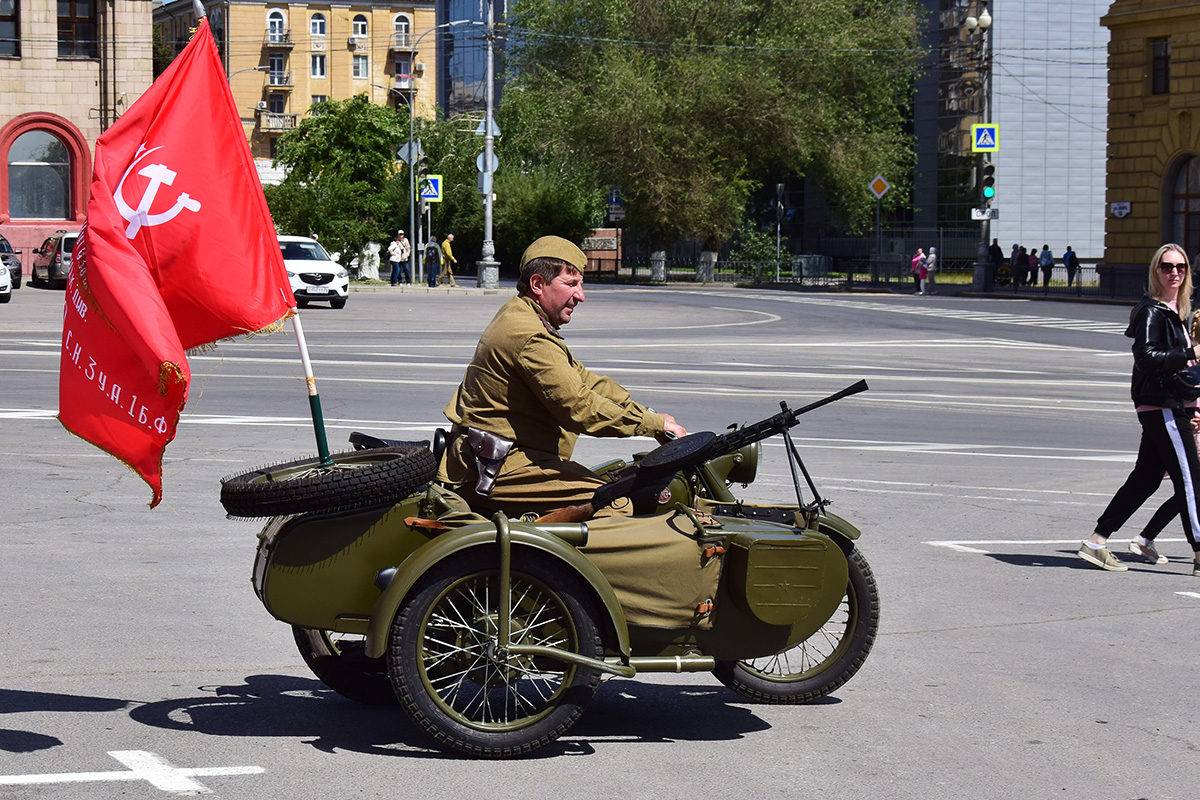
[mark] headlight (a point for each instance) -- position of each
(342, 273)
(291, 274)
(3, 270)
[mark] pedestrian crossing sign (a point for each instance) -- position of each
(431, 189)
(985, 138)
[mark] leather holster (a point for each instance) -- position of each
(490, 451)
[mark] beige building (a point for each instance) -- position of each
(1153, 192)
(68, 70)
(282, 58)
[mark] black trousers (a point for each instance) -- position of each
(1167, 445)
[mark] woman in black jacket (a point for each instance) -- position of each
(1161, 347)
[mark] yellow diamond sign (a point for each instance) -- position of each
(880, 186)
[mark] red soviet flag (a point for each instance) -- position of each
(178, 251)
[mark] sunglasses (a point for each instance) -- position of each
(1168, 266)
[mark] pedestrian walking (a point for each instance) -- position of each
(1031, 267)
(995, 257)
(1161, 347)
(1016, 266)
(448, 260)
(1046, 262)
(433, 260)
(930, 270)
(1071, 262)
(398, 252)
(918, 269)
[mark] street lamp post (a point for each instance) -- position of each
(488, 268)
(982, 279)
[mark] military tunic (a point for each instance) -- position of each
(524, 385)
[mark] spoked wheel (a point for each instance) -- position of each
(824, 661)
(357, 479)
(339, 660)
(455, 683)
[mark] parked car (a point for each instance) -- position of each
(314, 275)
(52, 261)
(12, 260)
(6, 285)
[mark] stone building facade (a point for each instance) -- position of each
(68, 70)
(282, 58)
(1153, 191)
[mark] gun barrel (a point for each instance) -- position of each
(764, 429)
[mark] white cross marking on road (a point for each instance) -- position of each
(143, 766)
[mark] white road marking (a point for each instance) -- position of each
(971, 546)
(143, 766)
(1189, 594)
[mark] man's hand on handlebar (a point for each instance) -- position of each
(673, 430)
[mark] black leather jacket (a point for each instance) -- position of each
(1160, 349)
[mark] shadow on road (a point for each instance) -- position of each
(14, 701)
(302, 708)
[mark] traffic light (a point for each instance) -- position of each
(988, 182)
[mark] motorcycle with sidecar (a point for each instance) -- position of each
(493, 633)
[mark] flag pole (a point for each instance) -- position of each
(314, 399)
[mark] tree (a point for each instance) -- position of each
(341, 162)
(688, 105)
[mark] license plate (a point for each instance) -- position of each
(318, 290)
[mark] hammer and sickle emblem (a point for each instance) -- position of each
(158, 175)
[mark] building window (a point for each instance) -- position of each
(39, 177)
(359, 26)
(276, 103)
(276, 73)
(276, 27)
(318, 66)
(76, 29)
(1185, 206)
(1160, 66)
(317, 25)
(400, 29)
(10, 28)
(319, 98)
(361, 67)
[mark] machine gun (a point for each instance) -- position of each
(656, 469)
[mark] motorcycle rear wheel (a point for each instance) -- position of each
(340, 663)
(357, 479)
(823, 662)
(455, 686)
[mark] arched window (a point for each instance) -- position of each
(317, 26)
(276, 26)
(401, 26)
(39, 177)
(1185, 206)
(358, 26)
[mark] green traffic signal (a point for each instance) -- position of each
(989, 181)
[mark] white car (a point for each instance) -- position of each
(6, 283)
(314, 275)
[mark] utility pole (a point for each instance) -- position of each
(488, 267)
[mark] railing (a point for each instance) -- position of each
(276, 38)
(404, 82)
(279, 78)
(401, 41)
(271, 121)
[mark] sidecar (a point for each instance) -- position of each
(493, 633)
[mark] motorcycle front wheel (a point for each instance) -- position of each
(339, 660)
(823, 662)
(457, 686)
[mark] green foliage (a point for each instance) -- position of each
(161, 52)
(537, 203)
(752, 245)
(341, 177)
(688, 105)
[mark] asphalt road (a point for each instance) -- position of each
(135, 661)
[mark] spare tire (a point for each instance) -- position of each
(357, 479)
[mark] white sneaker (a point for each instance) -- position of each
(1146, 552)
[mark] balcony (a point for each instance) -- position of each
(270, 122)
(400, 41)
(279, 80)
(404, 83)
(278, 39)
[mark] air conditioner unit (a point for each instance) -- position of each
(262, 105)
(356, 41)
(419, 66)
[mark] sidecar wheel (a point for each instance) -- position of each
(824, 661)
(442, 659)
(357, 479)
(339, 661)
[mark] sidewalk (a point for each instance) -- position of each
(466, 287)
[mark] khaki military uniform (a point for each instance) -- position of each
(523, 385)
